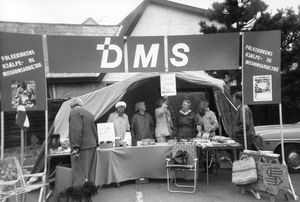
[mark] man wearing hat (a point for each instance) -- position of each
(120, 120)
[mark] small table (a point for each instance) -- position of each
(120, 164)
(207, 148)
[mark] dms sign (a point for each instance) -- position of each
(77, 54)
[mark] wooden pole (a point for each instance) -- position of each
(22, 148)
(292, 191)
(281, 134)
(2, 134)
(243, 96)
(46, 154)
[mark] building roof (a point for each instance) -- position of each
(59, 29)
(132, 19)
(90, 21)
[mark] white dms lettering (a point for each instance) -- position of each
(183, 58)
(140, 55)
(106, 47)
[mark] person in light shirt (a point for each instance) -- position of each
(164, 125)
(120, 120)
(206, 120)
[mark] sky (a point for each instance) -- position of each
(103, 11)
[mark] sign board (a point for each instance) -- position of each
(275, 177)
(146, 54)
(168, 84)
(22, 72)
(106, 132)
(91, 54)
(261, 67)
(85, 54)
(203, 52)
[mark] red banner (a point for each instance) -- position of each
(261, 67)
(203, 52)
(23, 79)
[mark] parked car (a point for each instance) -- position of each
(268, 138)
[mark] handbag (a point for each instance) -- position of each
(181, 157)
(244, 171)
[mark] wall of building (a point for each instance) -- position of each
(63, 90)
(158, 20)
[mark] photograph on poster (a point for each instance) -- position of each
(262, 88)
(23, 92)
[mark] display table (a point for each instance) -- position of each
(214, 148)
(120, 164)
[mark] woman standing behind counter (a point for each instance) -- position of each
(163, 129)
(185, 124)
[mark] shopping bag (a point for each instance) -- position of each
(244, 171)
(272, 176)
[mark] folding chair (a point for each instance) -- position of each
(191, 166)
(12, 181)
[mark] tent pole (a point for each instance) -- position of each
(2, 134)
(243, 95)
(281, 134)
(282, 153)
(22, 148)
(46, 154)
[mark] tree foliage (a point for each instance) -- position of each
(251, 15)
(288, 22)
(233, 15)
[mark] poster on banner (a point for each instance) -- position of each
(261, 67)
(168, 84)
(23, 79)
(106, 132)
(262, 88)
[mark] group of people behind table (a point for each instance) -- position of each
(84, 138)
(186, 125)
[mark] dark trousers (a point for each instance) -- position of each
(84, 167)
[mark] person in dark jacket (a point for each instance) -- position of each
(142, 125)
(185, 123)
(238, 122)
(83, 142)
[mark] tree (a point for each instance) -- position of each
(233, 16)
(251, 15)
(289, 23)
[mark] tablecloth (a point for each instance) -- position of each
(129, 163)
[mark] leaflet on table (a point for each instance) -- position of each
(106, 132)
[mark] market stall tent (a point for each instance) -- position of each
(99, 102)
(102, 101)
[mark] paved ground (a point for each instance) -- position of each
(220, 189)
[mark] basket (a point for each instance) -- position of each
(244, 171)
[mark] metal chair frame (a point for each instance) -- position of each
(191, 167)
(20, 187)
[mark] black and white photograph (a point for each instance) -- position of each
(149, 100)
(262, 88)
(23, 93)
